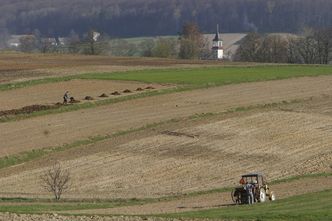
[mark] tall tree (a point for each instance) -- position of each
(323, 38)
(191, 41)
(249, 48)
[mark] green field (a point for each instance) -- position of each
(32, 206)
(308, 207)
(215, 76)
(195, 77)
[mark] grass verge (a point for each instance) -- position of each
(309, 207)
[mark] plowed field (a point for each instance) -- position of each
(69, 127)
(280, 143)
(18, 67)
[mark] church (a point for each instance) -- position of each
(217, 46)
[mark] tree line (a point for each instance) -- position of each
(313, 47)
(189, 44)
(128, 18)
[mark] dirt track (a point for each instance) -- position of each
(68, 127)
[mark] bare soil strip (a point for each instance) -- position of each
(49, 94)
(20, 67)
(68, 127)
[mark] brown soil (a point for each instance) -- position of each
(17, 67)
(29, 109)
(139, 89)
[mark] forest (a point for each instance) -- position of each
(130, 18)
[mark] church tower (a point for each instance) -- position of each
(217, 48)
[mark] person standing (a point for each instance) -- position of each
(250, 195)
(66, 97)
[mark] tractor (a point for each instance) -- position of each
(261, 189)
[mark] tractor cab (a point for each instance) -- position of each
(256, 179)
(261, 189)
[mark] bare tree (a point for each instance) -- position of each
(249, 48)
(323, 37)
(56, 180)
(191, 41)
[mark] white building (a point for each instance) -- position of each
(217, 47)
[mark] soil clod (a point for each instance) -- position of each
(127, 91)
(103, 95)
(150, 88)
(115, 93)
(73, 100)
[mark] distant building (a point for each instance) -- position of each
(217, 47)
(230, 43)
(14, 40)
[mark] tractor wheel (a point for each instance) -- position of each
(262, 195)
(272, 196)
(235, 196)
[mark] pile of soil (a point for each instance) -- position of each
(73, 100)
(127, 91)
(88, 98)
(115, 93)
(103, 95)
(139, 89)
(150, 88)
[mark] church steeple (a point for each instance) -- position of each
(218, 51)
(217, 37)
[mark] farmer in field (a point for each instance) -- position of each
(250, 194)
(66, 97)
